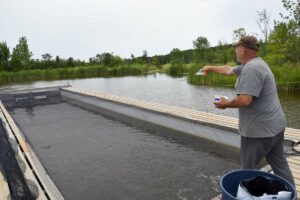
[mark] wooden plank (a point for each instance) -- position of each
(290, 138)
(20, 139)
(296, 174)
(293, 138)
(294, 158)
(4, 189)
(295, 170)
(297, 183)
(293, 134)
(294, 167)
(294, 131)
(296, 135)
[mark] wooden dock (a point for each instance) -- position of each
(230, 122)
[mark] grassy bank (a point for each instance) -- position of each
(287, 78)
(75, 72)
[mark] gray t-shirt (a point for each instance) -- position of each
(264, 116)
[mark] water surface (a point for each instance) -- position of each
(168, 90)
(91, 156)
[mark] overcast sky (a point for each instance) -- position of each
(83, 28)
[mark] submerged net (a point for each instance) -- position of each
(18, 187)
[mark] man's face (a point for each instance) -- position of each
(240, 52)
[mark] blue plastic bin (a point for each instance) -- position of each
(230, 181)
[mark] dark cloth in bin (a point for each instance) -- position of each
(260, 185)
(232, 190)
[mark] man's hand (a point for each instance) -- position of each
(239, 101)
(205, 70)
(221, 104)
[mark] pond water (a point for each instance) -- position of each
(164, 89)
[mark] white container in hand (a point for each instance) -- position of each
(218, 97)
(200, 72)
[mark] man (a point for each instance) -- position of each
(261, 119)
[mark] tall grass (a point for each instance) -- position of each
(287, 77)
(176, 69)
(52, 74)
(72, 73)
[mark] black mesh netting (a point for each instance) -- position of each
(18, 187)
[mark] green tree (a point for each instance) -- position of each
(98, 58)
(47, 60)
(210, 55)
(4, 56)
(200, 45)
(106, 59)
(132, 56)
(221, 54)
(188, 56)
(57, 59)
(57, 62)
(71, 62)
(284, 40)
(293, 8)
(145, 56)
(278, 44)
(293, 23)
(20, 58)
(116, 61)
(47, 56)
(155, 61)
(176, 57)
(238, 33)
(263, 23)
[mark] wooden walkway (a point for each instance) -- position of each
(230, 122)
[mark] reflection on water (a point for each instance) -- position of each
(168, 90)
(94, 157)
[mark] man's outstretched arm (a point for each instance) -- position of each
(226, 70)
